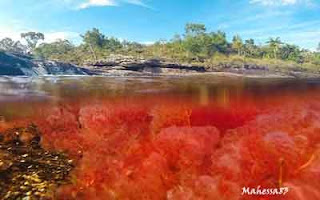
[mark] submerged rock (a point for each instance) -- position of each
(27, 171)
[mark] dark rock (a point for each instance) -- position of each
(15, 65)
(141, 66)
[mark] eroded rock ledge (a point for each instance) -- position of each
(129, 65)
(120, 65)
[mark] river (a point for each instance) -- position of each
(191, 137)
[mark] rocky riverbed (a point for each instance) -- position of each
(27, 171)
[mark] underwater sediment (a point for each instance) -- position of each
(27, 171)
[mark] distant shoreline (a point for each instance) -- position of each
(220, 74)
(126, 66)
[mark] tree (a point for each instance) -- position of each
(289, 52)
(250, 48)
(19, 48)
(112, 44)
(201, 44)
(132, 47)
(275, 44)
(93, 39)
(193, 45)
(54, 49)
(32, 39)
(195, 29)
(217, 43)
(7, 44)
(196, 44)
(193, 40)
(237, 44)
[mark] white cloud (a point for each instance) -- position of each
(148, 43)
(49, 36)
(280, 2)
(54, 36)
(98, 3)
(307, 39)
(92, 3)
(138, 3)
(12, 35)
(305, 35)
(13, 28)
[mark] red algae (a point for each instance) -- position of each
(177, 148)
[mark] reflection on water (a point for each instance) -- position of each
(198, 137)
(25, 90)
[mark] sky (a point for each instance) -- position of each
(147, 21)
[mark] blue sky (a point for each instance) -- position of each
(294, 21)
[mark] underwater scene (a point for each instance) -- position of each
(176, 138)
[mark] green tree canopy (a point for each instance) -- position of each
(196, 44)
(237, 44)
(289, 52)
(32, 39)
(93, 38)
(275, 44)
(111, 44)
(7, 44)
(250, 48)
(50, 50)
(218, 42)
(195, 29)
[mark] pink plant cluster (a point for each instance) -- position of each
(178, 150)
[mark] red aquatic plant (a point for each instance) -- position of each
(163, 149)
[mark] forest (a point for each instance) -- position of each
(195, 45)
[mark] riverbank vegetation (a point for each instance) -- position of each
(196, 45)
